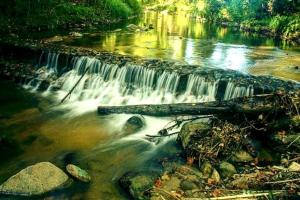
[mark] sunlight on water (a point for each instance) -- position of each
(183, 38)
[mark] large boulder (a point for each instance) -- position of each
(190, 129)
(36, 179)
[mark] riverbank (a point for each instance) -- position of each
(19, 17)
(241, 156)
(278, 19)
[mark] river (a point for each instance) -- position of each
(41, 130)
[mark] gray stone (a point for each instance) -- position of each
(35, 180)
(227, 169)
(78, 173)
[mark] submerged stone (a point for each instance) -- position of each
(134, 124)
(36, 179)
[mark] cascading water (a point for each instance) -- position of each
(110, 84)
(234, 91)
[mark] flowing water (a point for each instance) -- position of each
(36, 128)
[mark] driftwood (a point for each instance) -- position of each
(207, 108)
(70, 92)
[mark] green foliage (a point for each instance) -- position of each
(278, 23)
(58, 13)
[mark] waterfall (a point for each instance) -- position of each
(111, 84)
(52, 61)
(234, 91)
(200, 90)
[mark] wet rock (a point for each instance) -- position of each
(75, 34)
(136, 184)
(78, 173)
(227, 169)
(294, 167)
(35, 180)
(56, 38)
(134, 124)
(188, 185)
(189, 129)
(132, 27)
(242, 157)
(206, 168)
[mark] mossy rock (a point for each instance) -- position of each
(227, 170)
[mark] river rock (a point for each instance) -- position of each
(36, 179)
(294, 167)
(132, 27)
(215, 176)
(78, 173)
(75, 34)
(189, 129)
(227, 169)
(136, 183)
(134, 124)
(242, 157)
(172, 184)
(188, 185)
(206, 168)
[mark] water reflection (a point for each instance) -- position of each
(182, 37)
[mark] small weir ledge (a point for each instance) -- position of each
(111, 79)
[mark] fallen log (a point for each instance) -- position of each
(166, 109)
(207, 108)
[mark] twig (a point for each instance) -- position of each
(241, 196)
(294, 159)
(162, 191)
(157, 136)
(293, 141)
(69, 93)
(284, 181)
